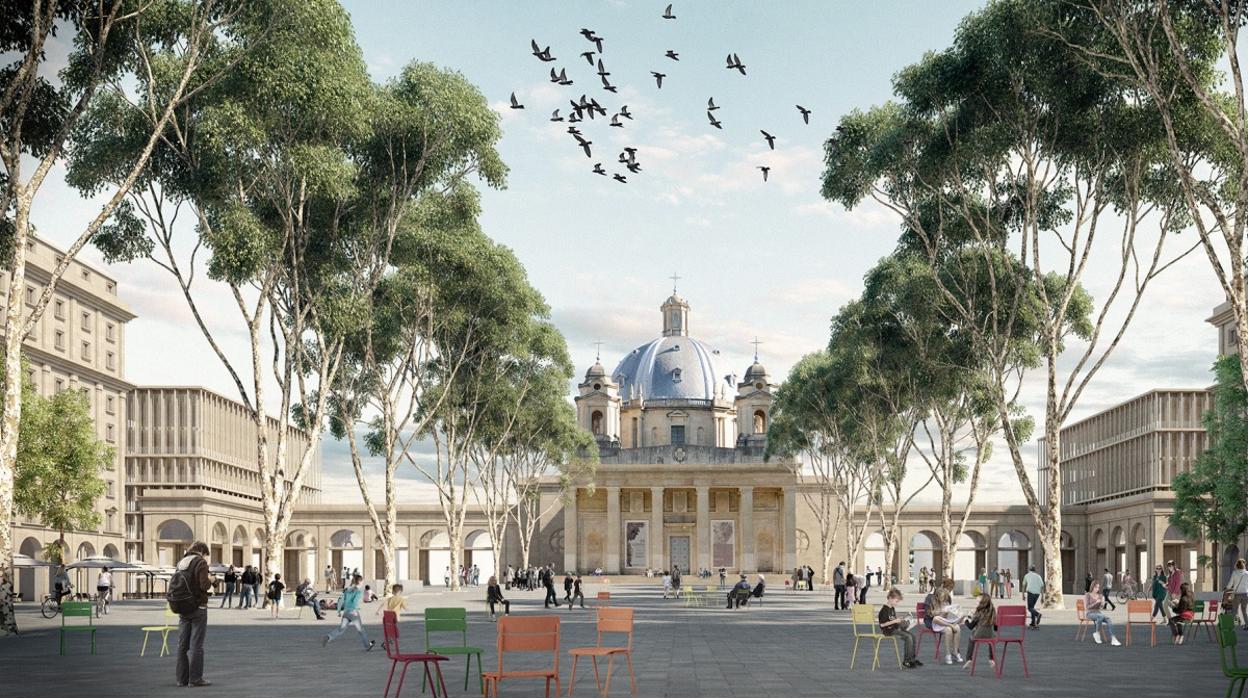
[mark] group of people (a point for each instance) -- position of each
(469, 575)
(340, 579)
(850, 588)
(525, 578)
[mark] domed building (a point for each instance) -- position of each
(681, 479)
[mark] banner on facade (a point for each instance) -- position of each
(723, 544)
(636, 539)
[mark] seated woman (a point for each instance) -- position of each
(494, 597)
(940, 618)
(759, 588)
(1094, 604)
(983, 625)
(1183, 612)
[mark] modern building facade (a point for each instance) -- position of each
(78, 344)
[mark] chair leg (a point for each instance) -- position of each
(940, 638)
(572, 681)
(390, 678)
(974, 656)
(402, 675)
(426, 675)
(897, 650)
(632, 680)
(1022, 652)
(853, 656)
(437, 666)
(597, 677)
(467, 671)
(875, 658)
(164, 643)
(606, 688)
(143, 651)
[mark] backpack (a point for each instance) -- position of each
(181, 593)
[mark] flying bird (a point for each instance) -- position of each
(598, 169)
(601, 70)
(563, 77)
(574, 130)
(514, 103)
(765, 171)
(591, 36)
(633, 167)
(575, 118)
(584, 145)
(595, 106)
(543, 55)
(619, 178)
(554, 77)
(805, 112)
(667, 14)
(714, 123)
(658, 78)
(710, 104)
(589, 57)
(625, 113)
(615, 121)
(554, 116)
(734, 61)
(672, 55)
(629, 155)
(771, 140)
(606, 85)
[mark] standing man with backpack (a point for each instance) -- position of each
(188, 597)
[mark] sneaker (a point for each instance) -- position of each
(948, 659)
(371, 645)
(1114, 641)
(200, 683)
(1096, 637)
(908, 664)
(917, 662)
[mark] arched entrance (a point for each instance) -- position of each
(400, 555)
(257, 549)
(216, 544)
(299, 558)
(925, 552)
(971, 556)
(1120, 552)
(173, 537)
(1176, 548)
(27, 586)
(874, 551)
(1068, 563)
(346, 549)
(435, 556)
(1139, 540)
(479, 551)
(238, 542)
(1014, 552)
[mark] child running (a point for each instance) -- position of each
(349, 610)
(394, 602)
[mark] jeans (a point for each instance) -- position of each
(1160, 606)
(506, 606)
(229, 595)
(1105, 593)
(191, 631)
(575, 596)
(244, 597)
(1101, 622)
(551, 597)
(350, 618)
(839, 602)
(1031, 608)
(907, 639)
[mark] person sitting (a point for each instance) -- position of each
(759, 588)
(494, 597)
(1183, 612)
(739, 593)
(1094, 605)
(891, 624)
(983, 626)
(369, 596)
(941, 616)
(305, 595)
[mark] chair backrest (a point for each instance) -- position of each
(446, 620)
(77, 609)
(615, 620)
(1140, 611)
(1213, 610)
(1198, 610)
(528, 634)
(1226, 644)
(390, 630)
(863, 614)
(919, 612)
(1081, 609)
(604, 596)
(1011, 617)
(688, 589)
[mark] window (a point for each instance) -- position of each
(112, 287)
(60, 309)
(110, 360)
(110, 405)
(108, 520)
(30, 295)
(678, 433)
(86, 275)
(110, 332)
(110, 491)
(60, 340)
(86, 321)
(60, 385)
(110, 432)
(676, 375)
(86, 351)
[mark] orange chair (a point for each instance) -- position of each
(604, 599)
(610, 620)
(531, 634)
(1081, 611)
(1140, 612)
(919, 612)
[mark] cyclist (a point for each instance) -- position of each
(1128, 584)
(104, 588)
(60, 584)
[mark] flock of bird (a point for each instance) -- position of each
(589, 108)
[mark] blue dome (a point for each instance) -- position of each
(675, 367)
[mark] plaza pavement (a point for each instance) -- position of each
(793, 645)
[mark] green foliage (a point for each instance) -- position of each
(59, 461)
(1211, 500)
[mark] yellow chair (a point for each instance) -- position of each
(864, 615)
(692, 598)
(164, 631)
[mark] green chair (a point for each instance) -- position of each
(77, 609)
(1198, 612)
(451, 620)
(1226, 652)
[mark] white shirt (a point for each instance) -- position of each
(105, 580)
(1107, 582)
(1238, 582)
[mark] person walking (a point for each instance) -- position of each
(1158, 589)
(567, 588)
(810, 578)
(193, 624)
(1174, 582)
(1093, 603)
(838, 582)
(275, 595)
(349, 612)
(576, 593)
(723, 578)
(891, 625)
(231, 580)
(246, 580)
(494, 598)
(329, 578)
(256, 582)
(1107, 587)
(1237, 585)
(993, 583)
(1033, 586)
(548, 582)
(866, 585)
(851, 589)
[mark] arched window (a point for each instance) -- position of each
(760, 422)
(654, 436)
(700, 442)
(595, 423)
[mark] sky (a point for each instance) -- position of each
(770, 260)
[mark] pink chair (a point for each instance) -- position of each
(1007, 617)
(924, 630)
(390, 627)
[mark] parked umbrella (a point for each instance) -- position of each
(26, 561)
(98, 562)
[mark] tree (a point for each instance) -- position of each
(1006, 159)
(117, 48)
(60, 461)
(1211, 500)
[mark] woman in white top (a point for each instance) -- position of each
(1238, 585)
(104, 587)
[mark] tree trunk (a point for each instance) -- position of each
(890, 549)
(12, 405)
(1050, 533)
(949, 546)
(454, 560)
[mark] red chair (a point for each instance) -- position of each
(924, 630)
(390, 625)
(1208, 619)
(1007, 617)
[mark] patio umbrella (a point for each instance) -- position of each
(25, 561)
(98, 562)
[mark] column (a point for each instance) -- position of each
(746, 507)
(656, 528)
(704, 529)
(570, 536)
(902, 568)
(613, 530)
(790, 529)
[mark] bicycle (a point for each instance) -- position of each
(50, 607)
(102, 602)
(1125, 595)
